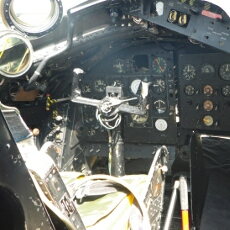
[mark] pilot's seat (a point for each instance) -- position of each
(103, 201)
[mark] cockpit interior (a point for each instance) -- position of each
(105, 97)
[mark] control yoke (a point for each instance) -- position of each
(112, 103)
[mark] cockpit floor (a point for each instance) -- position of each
(216, 212)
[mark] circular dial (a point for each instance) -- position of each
(208, 105)
(99, 86)
(158, 86)
(159, 65)
(189, 90)
(159, 106)
(207, 69)
(208, 90)
(135, 86)
(140, 119)
(119, 66)
(161, 125)
(189, 72)
(208, 120)
(85, 88)
(226, 90)
(225, 72)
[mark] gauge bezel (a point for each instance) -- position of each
(154, 63)
(186, 86)
(222, 74)
(160, 86)
(208, 94)
(94, 85)
(222, 88)
(183, 71)
(131, 85)
(155, 109)
(205, 65)
(11, 20)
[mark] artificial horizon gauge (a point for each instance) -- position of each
(161, 125)
(134, 87)
(208, 90)
(159, 106)
(208, 120)
(226, 90)
(119, 66)
(208, 105)
(140, 119)
(189, 72)
(189, 90)
(158, 86)
(225, 72)
(99, 86)
(159, 65)
(207, 69)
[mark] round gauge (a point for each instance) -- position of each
(85, 88)
(225, 72)
(159, 106)
(135, 86)
(159, 65)
(207, 69)
(161, 125)
(119, 66)
(208, 120)
(140, 119)
(99, 86)
(116, 83)
(208, 90)
(189, 72)
(189, 90)
(158, 86)
(226, 90)
(208, 105)
(89, 115)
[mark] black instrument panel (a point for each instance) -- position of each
(204, 91)
(127, 69)
(199, 20)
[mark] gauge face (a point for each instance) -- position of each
(99, 86)
(85, 88)
(225, 72)
(159, 65)
(161, 125)
(207, 69)
(189, 90)
(135, 86)
(159, 106)
(119, 66)
(208, 105)
(208, 120)
(158, 86)
(140, 119)
(189, 72)
(208, 90)
(117, 83)
(226, 90)
(89, 115)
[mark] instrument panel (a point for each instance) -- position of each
(127, 69)
(204, 91)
